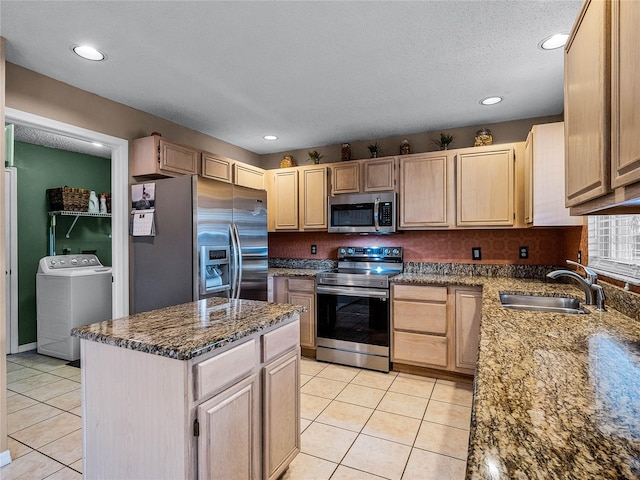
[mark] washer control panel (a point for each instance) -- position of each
(70, 261)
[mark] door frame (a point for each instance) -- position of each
(11, 212)
(119, 195)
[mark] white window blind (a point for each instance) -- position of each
(614, 246)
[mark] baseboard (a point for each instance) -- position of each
(27, 346)
(5, 458)
(308, 352)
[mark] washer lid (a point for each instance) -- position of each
(64, 263)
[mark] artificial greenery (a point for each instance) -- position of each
(315, 156)
(444, 141)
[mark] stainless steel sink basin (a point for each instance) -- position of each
(540, 303)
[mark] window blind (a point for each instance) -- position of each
(614, 246)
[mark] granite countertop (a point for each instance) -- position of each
(191, 329)
(294, 272)
(556, 395)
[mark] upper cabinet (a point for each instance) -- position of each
(227, 170)
(357, 176)
(155, 157)
(602, 94)
(485, 183)
(544, 178)
(247, 175)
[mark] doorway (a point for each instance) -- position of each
(119, 192)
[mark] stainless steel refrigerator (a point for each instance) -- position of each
(210, 240)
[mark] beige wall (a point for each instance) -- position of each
(505, 132)
(3, 317)
(34, 93)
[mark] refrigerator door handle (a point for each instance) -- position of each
(239, 260)
(234, 254)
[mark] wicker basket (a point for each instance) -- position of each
(68, 199)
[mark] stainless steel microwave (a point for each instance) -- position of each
(363, 213)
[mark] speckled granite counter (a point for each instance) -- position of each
(557, 396)
(294, 272)
(191, 329)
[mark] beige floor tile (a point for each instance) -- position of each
(443, 439)
(417, 377)
(65, 474)
(311, 406)
(377, 456)
(448, 414)
(67, 401)
(50, 365)
(402, 404)
(77, 466)
(304, 423)
(76, 378)
(37, 381)
(30, 416)
(346, 473)
(360, 395)
(24, 372)
(11, 393)
(48, 430)
(307, 467)
(77, 411)
(424, 465)
(67, 449)
(65, 371)
(372, 379)
(304, 378)
(13, 367)
(311, 367)
(345, 415)
(389, 426)
(25, 359)
(32, 466)
(323, 387)
(339, 372)
(18, 402)
(453, 383)
(411, 386)
(55, 389)
(17, 449)
(327, 442)
(460, 393)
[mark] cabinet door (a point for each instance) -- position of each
(229, 440)
(467, 324)
(216, 167)
(178, 159)
(625, 69)
(421, 350)
(528, 179)
(423, 192)
(281, 420)
(586, 105)
(284, 204)
(380, 175)
(313, 198)
(345, 178)
(485, 181)
(307, 319)
(248, 176)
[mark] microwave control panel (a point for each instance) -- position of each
(386, 214)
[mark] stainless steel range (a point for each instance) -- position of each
(354, 312)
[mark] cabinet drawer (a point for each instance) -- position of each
(279, 341)
(302, 285)
(224, 369)
(420, 317)
(419, 349)
(419, 292)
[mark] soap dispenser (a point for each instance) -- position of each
(103, 203)
(93, 203)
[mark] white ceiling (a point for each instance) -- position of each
(314, 73)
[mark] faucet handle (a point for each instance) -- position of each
(592, 276)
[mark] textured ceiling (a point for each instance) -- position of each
(53, 140)
(313, 73)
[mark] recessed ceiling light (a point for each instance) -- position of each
(557, 40)
(89, 53)
(491, 100)
(270, 137)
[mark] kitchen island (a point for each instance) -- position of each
(208, 389)
(556, 395)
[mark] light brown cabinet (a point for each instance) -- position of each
(425, 191)
(156, 157)
(436, 326)
(345, 178)
(358, 176)
(282, 203)
(249, 176)
(601, 101)
(299, 291)
(313, 198)
(227, 170)
(485, 183)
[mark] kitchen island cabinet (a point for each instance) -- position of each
(180, 392)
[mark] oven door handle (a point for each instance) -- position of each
(353, 292)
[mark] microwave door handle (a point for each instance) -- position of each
(376, 219)
(234, 254)
(239, 259)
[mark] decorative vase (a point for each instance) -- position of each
(345, 152)
(287, 161)
(374, 154)
(405, 147)
(483, 137)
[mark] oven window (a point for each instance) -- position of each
(353, 319)
(360, 215)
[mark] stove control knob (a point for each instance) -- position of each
(350, 251)
(396, 251)
(74, 261)
(343, 251)
(386, 251)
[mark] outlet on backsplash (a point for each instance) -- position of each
(524, 252)
(314, 249)
(476, 253)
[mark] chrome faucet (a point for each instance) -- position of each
(594, 294)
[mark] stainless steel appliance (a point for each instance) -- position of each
(363, 213)
(211, 240)
(353, 307)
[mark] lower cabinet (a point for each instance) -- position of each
(299, 291)
(436, 326)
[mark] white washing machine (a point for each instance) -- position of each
(71, 291)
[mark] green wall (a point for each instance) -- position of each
(40, 168)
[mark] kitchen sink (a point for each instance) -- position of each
(541, 303)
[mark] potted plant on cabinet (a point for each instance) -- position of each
(374, 149)
(315, 156)
(444, 140)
